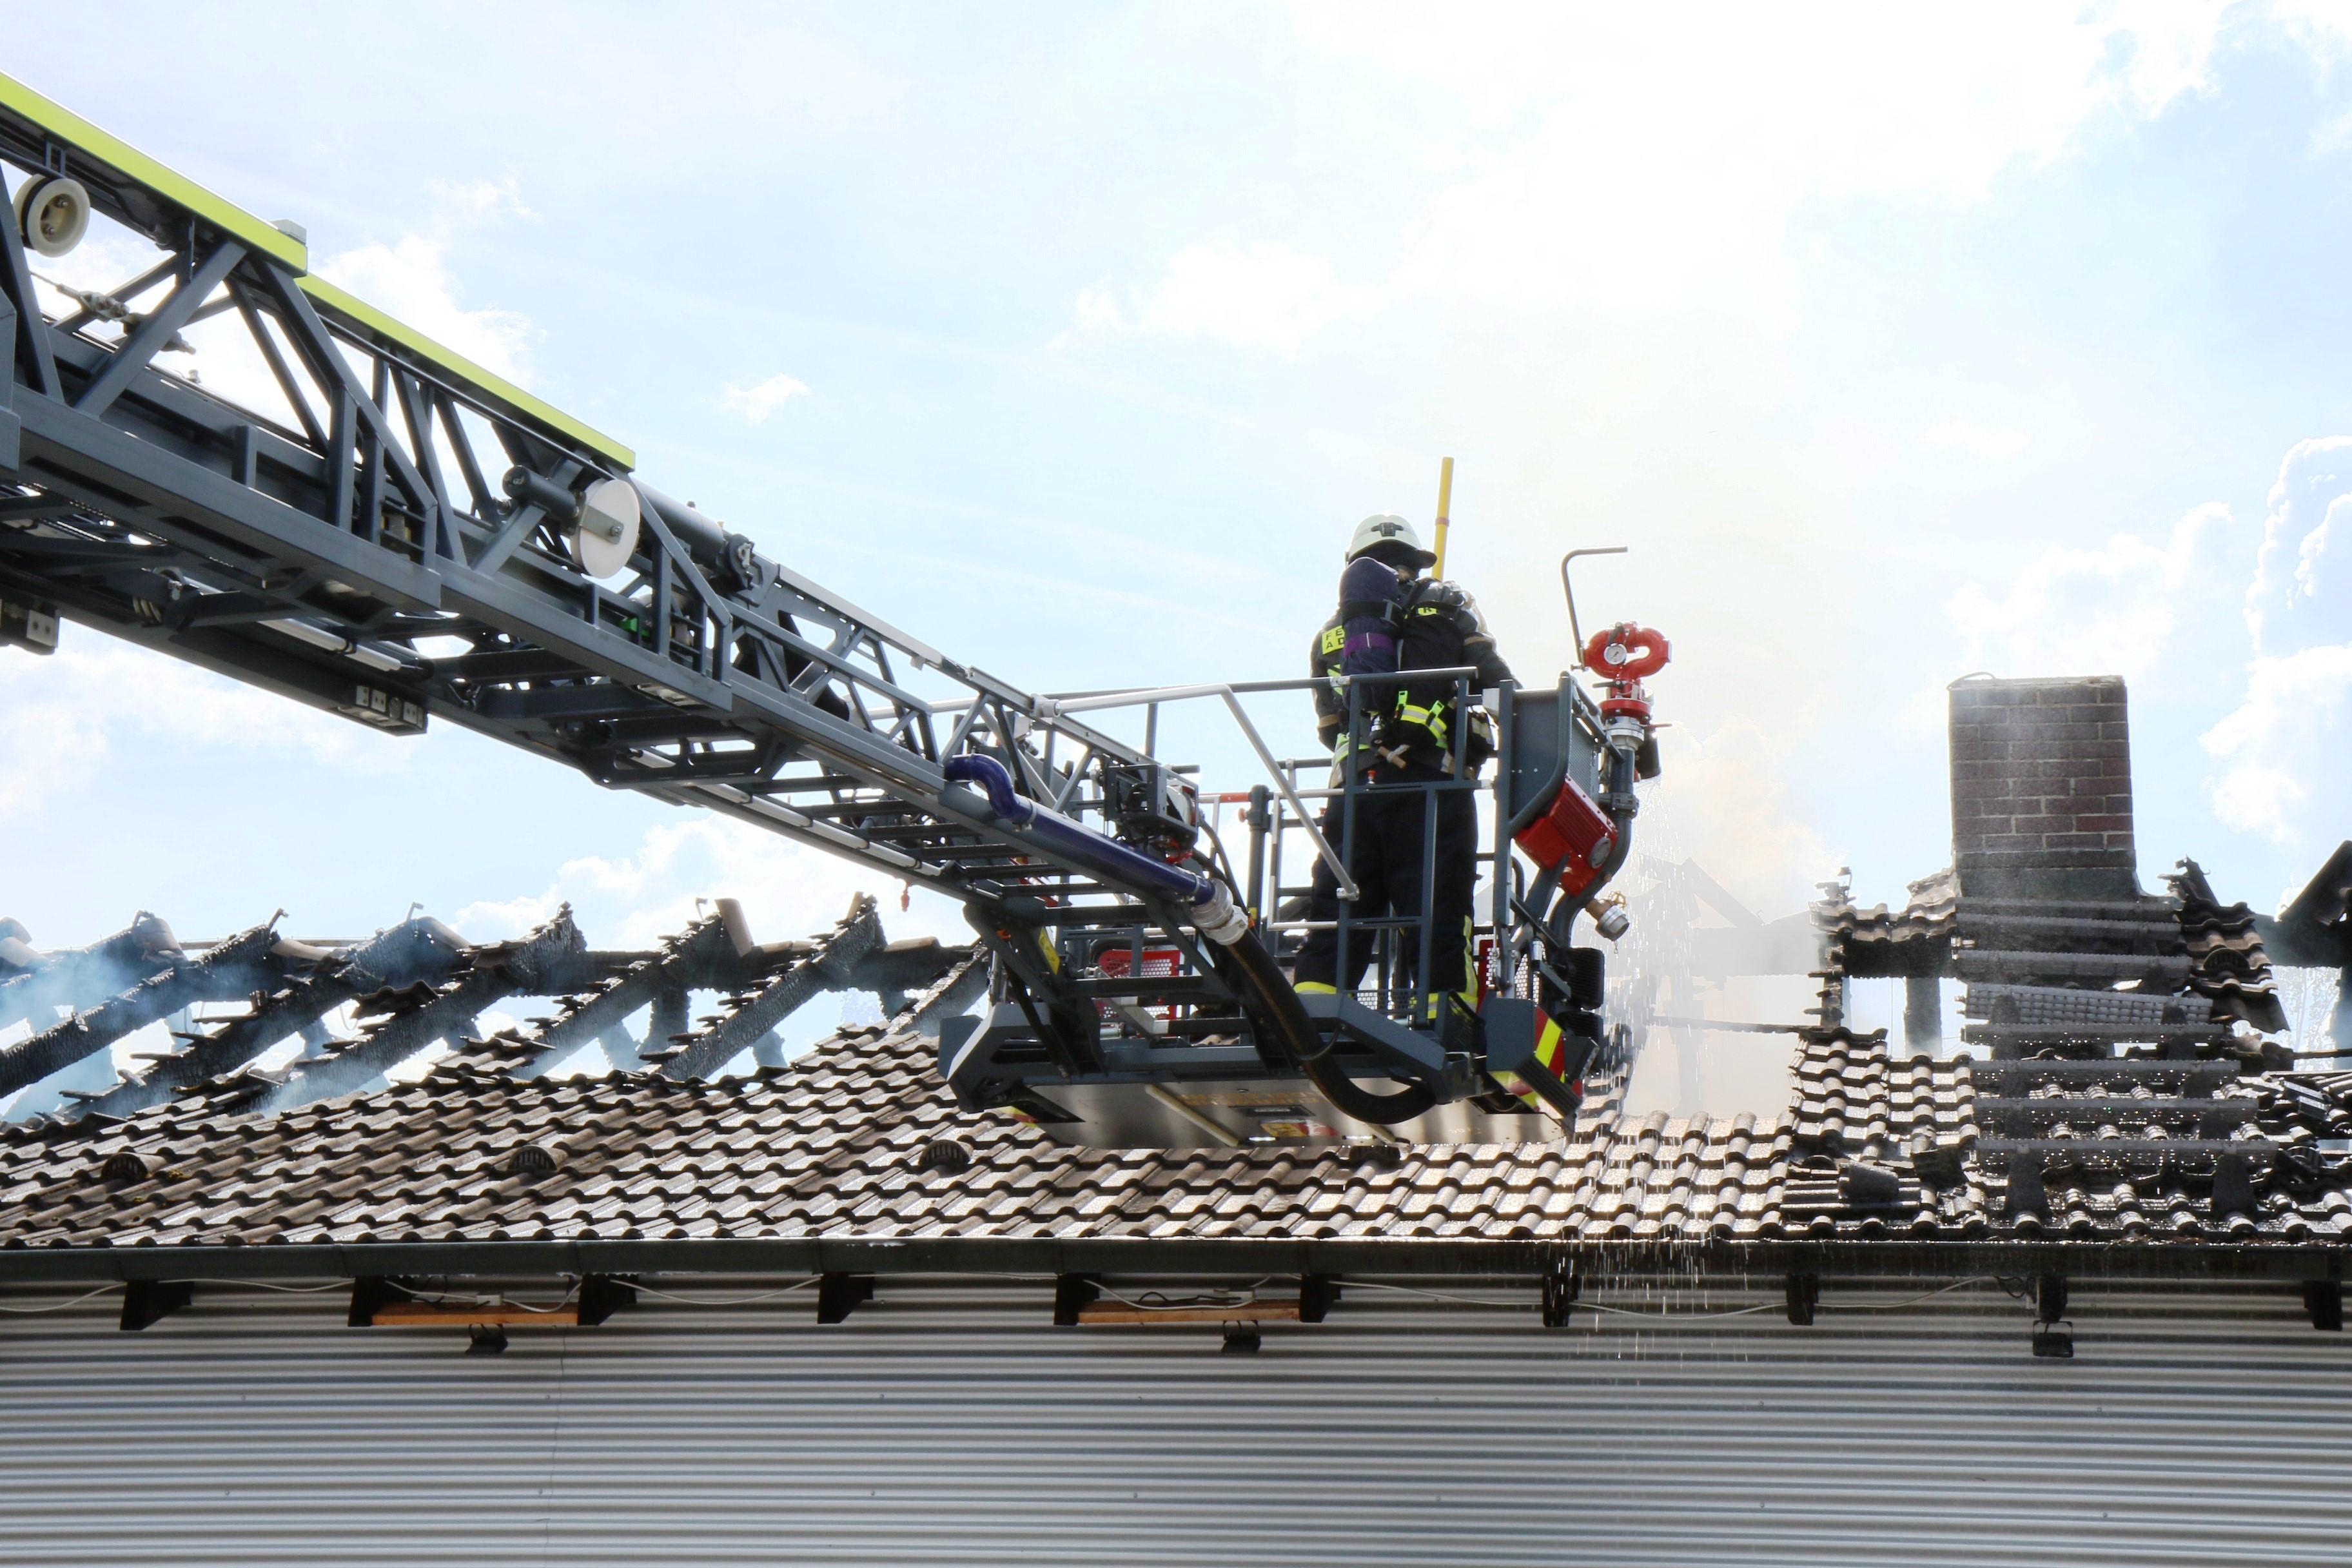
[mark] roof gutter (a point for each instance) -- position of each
(2184, 1263)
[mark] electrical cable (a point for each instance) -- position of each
(288, 1290)
(526, 1307)
(1432, 1295)
(61, 1306)
(1159, 1301)
(1680, 1316)
(453, 1298)
(1941, 1290)
(730, 1301)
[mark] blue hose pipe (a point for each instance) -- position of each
(1214, 915)
(1098, 853)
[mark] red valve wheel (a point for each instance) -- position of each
(1626, 652)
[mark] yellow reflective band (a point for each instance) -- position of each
(1551, 1049)
(59, 123)
(1315, 988)
(353, 311)
(24, 107)
(1053, 958)
(1551, 1046)
(1432, 718)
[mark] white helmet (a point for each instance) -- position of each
(1387, 528)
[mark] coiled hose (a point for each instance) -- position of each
(1279, 1006)
(1250, 968)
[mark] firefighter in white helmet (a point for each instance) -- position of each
(1392, 620)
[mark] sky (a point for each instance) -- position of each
(1895, 343)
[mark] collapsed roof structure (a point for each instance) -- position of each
(2131, 1091)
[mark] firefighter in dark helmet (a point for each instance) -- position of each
(1391, 619)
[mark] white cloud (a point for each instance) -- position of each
(2298, 590)
(480, 199)
(1261, 296)
(2284, 744)
(2281, 750)
(66, 712)
(756, 400)
(2113, 610)
(787, 889)
(1663, 169)
(1609, 162)
(410, 279)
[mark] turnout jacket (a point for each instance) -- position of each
(1388, 623)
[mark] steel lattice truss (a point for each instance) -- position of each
(393, 551)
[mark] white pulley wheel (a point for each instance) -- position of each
(606, 535)
(52, 214)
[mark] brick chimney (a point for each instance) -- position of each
(2041, 803)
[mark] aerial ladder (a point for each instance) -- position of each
(413, 539)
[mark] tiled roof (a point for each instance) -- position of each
(2229, 967)
(834, 1148)
(858, 1141)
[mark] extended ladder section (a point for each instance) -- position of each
(410, 539)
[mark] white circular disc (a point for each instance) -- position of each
(53, 215)
(606, 535)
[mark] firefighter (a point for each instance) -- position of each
(1391, 619)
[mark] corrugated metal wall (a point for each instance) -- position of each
(951, 1425)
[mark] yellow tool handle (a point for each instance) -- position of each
(1445, 505)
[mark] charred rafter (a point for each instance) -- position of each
(828, 964)
(233, 968)
(416, 950)
(548, 960)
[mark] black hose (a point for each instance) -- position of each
(1281, 1005)
(1559, 922)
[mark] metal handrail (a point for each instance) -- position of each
(1050, 709)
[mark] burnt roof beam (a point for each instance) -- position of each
(235, 966)
(691, 959)
(833, 966)
(81, 977)
(528, 968)
(419, 950)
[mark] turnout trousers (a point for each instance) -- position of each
(1387, 862)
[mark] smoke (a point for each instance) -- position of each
(1656, 993)
(2308, 997)
(52, 993)
(1724, 803)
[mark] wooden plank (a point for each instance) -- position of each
(1247, 1313)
